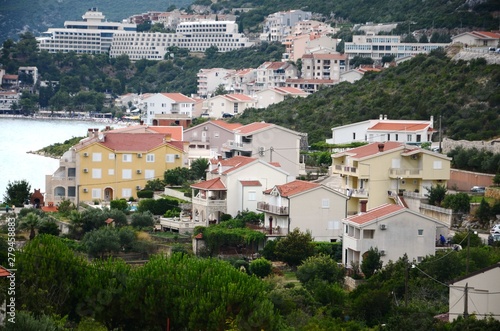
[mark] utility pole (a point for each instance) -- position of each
(440, 134)
(468, 249)
(466, 300)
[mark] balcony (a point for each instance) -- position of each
(234, 145)
(405, 173)
(277, 210)
(345, 170)
(210, 202)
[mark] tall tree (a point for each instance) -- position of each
(17, 192)
(295, 247)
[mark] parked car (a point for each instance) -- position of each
(493, 238)
(495, 229)
(492, 49)
(478, 189)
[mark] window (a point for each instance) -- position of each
(169, 158)
(397, 137)
(96, 157)
(408, 137)
(96, 193)
(96, 173)
(127, 173)
(368, 234)
(126, 193)
(149, 174)
(325, 203)
(419, 137)
(354, 136)
(111, 172)
(150, 158)
(111, 156)
(127, 158)
(420, 258)
(252, 196)
(437, 165)
(420, 232)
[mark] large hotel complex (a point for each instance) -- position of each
(94, 35)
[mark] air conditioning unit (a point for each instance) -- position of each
(139, 172)
(85, 154)
(382, 252)
(177, 156)
(383, 227)
(85, 170)
(137, 187)
(85, 190)
(139, 155)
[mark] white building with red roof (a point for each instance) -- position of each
(478, 38)
(167, 104)
(323, 66)
(383, 129)
(229, 104)
(394, 230)
(283, 208)
(210, 79)
(273, 95)
(274, 74)
(233, 185)
(380, 173)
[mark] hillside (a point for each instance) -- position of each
(39, 15)
(465, 94)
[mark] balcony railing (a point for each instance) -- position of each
(277, 210)
(406, 173)
(210, 202)
(346, 170)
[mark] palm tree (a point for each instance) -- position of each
(31, 221)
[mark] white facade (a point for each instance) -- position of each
(394, 231)
(166, 104)
(210, 79)
(478, 38)
(142, 45)
(274, 74)
(233, 104)
(93, 35)
(323, 66)
(7, 99)
(482, 289)
(376, 47)
(383, 129)
(267, 97)
(279, 25)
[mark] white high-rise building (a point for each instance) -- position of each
(93, 35)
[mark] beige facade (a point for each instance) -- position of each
(267, 97)
(377, 172)
(284, 211)
(394, 231)
(481, 289)
(478, 39)
(232, 104)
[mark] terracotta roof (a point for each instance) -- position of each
(373, 214)
(275, 164)
(272, 65)
(401, 126)
(289, 90)
(295, 187)
(250, 183)
(370, 149)
(310, 81)
(238, 97)
(178, 97)
(487, 34)
(226, 125)
(235, 163)
(109, 221)
(214, 184)
(136, 142)
(176, 132)
(330, 56)
(199, 236)
(49, 209)
(7, 92)
(253, 127)
(4, 272)
(10, 77)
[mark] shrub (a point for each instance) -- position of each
(145, 194)
(261, 267)
(142, 220)
(119, 204)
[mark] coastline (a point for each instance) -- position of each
(73, 118)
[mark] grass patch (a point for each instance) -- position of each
(478, 198)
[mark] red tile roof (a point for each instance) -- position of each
(10, 77)
(370, 149)
(136, 142)
(401, 126)
(176, 132)
(238, 97)
(295, 187)
(214, 184)
(50, 208)
(289, 90)
(487, 34)
(178, 97)
(226, 125)
(373, 214)
(250, 183)
(253, 127)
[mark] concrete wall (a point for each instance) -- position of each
(462, 180)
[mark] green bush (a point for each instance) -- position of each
(142, 220)
(119, 204)
(145, 194)
(261, 267)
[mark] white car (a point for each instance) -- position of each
(495, 229)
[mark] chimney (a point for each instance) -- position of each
(363, 205)
(107, 128)
(167, 138)
(90, 133)
(141, 122)
(381, 117)
(385, 117)
(380, 147)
